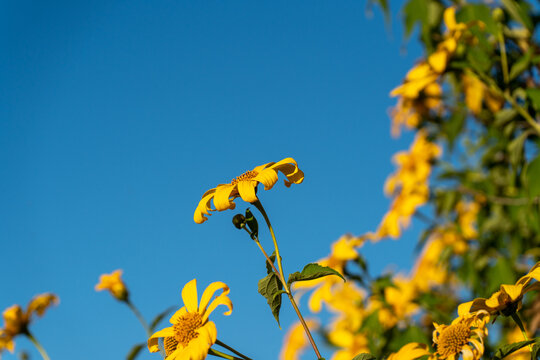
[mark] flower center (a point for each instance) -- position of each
(170, 345)
(248, 175)
(452, 339)
(185, 328)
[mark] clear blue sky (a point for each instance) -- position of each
(116, 116)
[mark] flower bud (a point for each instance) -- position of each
(252, 224)
(498, 15)
(239, 221)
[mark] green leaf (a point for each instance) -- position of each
(479, 59)
(510, 348)
(533, 177)
(536, 350)
(518, 13)
(312, 271)
(364, 356)
(155, 322)
(515, 148)
(534, 96)
(272, 257)
(480, 12)
(521, 65)
(504, 116)
(415, 11)
(271, 288)
(135, 350)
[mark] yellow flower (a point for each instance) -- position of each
(296, 340)
(467, 213)
(16, 320)
(411, 351)
(507, 300)
(191, 334)
(114, 284)
(342, 251)
(464, 336)
(513, 336)
(477, 92)
(245, 186)
(351, 344)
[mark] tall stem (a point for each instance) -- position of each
(231, 349)
(37, 345)
(281, 275)
(222, 355)
(504, 60)
(517, 320)
(139, 317)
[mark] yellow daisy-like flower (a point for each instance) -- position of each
(465, 335)
(296, 340)
(191, 334)
(114, 284)
(507, 300)
(16, 320)
(245, 186)
(411, 351)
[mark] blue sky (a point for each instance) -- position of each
(115, 118)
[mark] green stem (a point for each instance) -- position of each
(37, 345)
(222, 344)
(281, 274)
(517, 320)
(504, 60)
(222, 355)
(139, 317)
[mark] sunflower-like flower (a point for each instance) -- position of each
(465, 335)
(191, 334)
(245, 186)
(507, 300)
(411, 351)
(17, 320)
(114, 284)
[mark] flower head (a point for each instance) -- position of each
(16, 320)
(465, 335)
(191, 334)
(114, 284)
(245, 186)
(507, 300)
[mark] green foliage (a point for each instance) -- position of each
(507, 349)
(271, 288)
(135, 350)
(364, 356)
(311, 272)
(533, 177)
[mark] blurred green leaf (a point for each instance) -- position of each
(312, 271)
(416, 11)
(521, 65)
(482, 12)
(534, 95)
(515, 148)
(155, 322)
(533, 177)
(518, 13)
(479, 59)
(135, 350)
(364, 356)
(504, 116)
(271, 288)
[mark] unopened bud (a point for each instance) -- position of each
(252, 224)
(498, 15)
(239, 221)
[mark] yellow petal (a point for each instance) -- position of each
(450, 18)
(204, 207)
(189, 296)
(222, 197)
(289, 168)
(268, 177)
(220, 300)
(438, 60)
(514, 291)
(177, 315)
(40, 303)
(246, 189)
(209, 292)
(153, 341)
(208, 332)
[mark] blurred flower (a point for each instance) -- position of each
(114, 284)
(465, 335)
(408, 185)
(191, 334)
(476, 92)
(350, 344)
(410, 351)
(16, 320)
(343, 250)
(245, 186)
(467, 213)
(296, 340)
(507, 300)
(513, 336)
